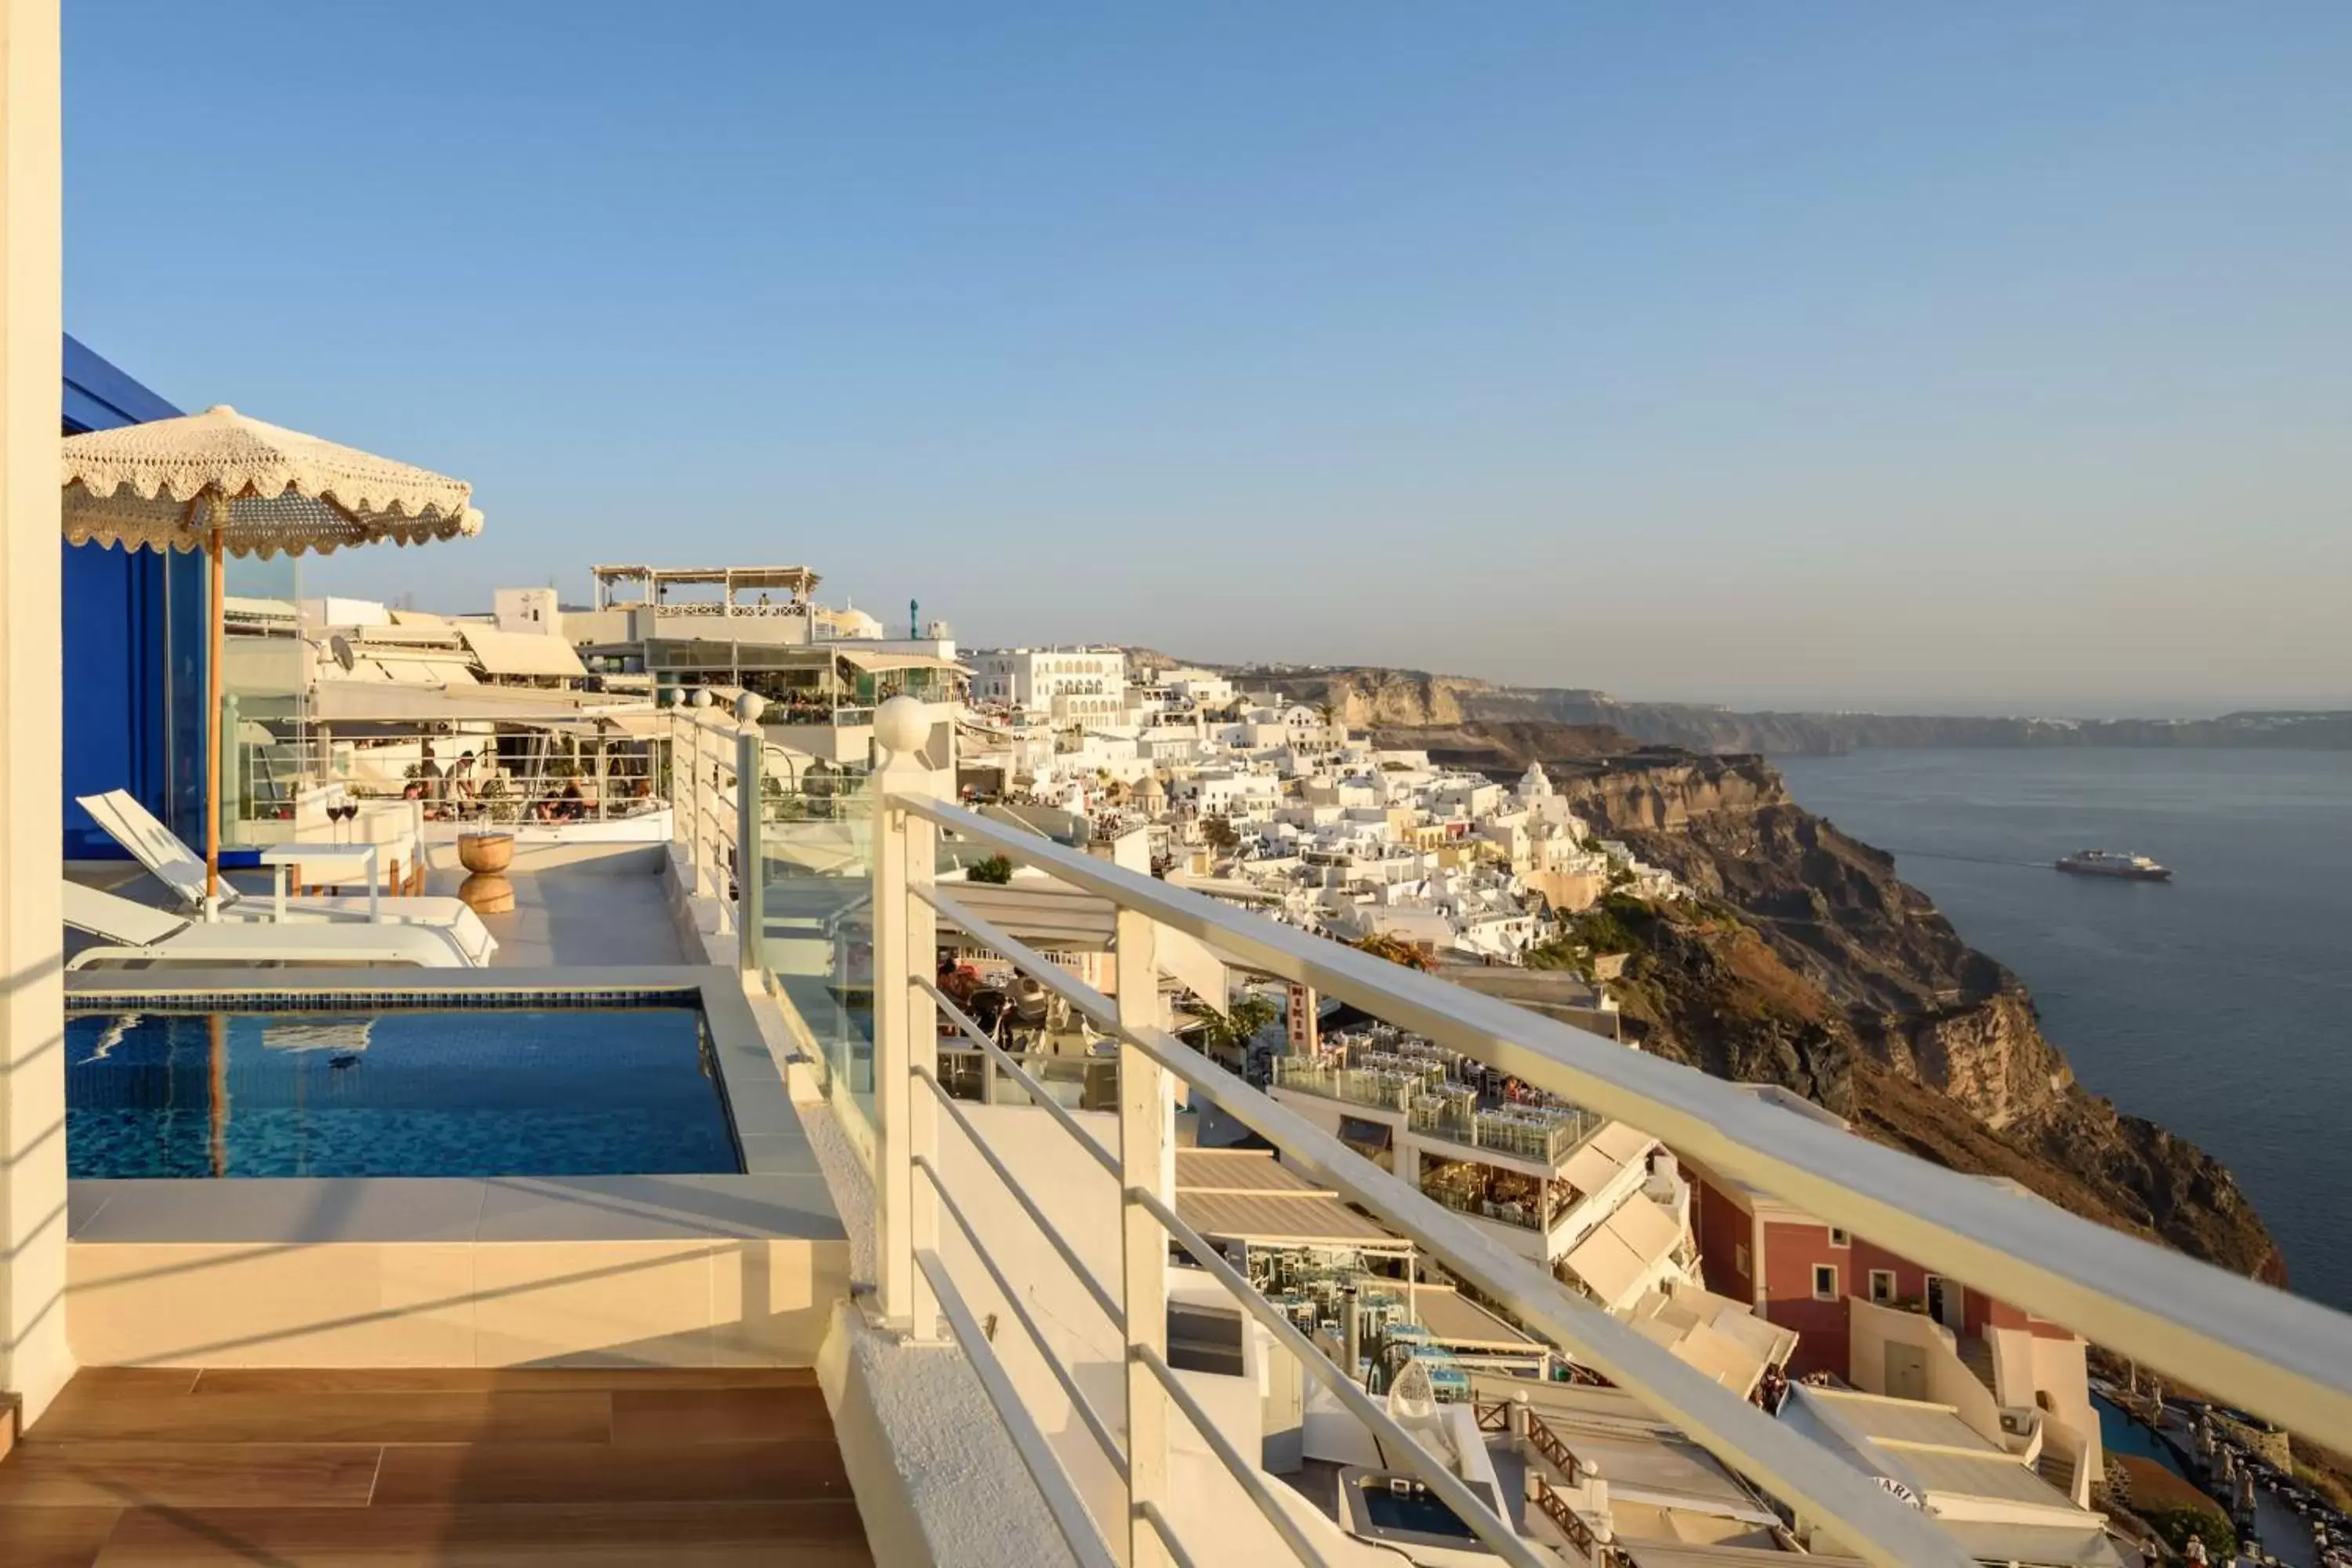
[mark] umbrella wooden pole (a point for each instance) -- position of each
(216, 1095)
(213, 726)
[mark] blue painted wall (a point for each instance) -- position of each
(134, 647)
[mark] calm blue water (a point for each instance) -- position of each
(2218, 1004)
(485, 1092)
(2119, 1433)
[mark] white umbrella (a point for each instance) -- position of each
(220, 482)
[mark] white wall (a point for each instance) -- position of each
(34, 1358)
(533, 611)
(1949, 1380)
(1081, 1199)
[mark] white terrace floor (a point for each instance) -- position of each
(573, 909)
(582, 912)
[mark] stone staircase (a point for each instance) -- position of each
(1976, 1356)
(2056, 1468)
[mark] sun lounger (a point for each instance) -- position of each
(136, 932)
(178, 868)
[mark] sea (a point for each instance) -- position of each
(2218, 1004)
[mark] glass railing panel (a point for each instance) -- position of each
(264, 700)
(816, 943)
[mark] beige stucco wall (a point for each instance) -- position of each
(1950, 1381)
(34, 1358)
(1568, 890)
(1222, 1524)
(2060, 1371)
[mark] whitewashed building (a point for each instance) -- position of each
(1072, 685)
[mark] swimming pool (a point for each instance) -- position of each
(2119, 1433)
(449, 1089)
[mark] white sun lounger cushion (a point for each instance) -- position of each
(134, 931)
(180, 868)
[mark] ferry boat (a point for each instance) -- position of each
(2114, 863)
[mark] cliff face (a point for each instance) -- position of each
(1806, 962)
(1368, 696)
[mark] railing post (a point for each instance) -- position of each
(678, 789)
(905, 1028)
(1146, 1157)
(234, 785)
(751, 870)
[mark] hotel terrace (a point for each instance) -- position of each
(608, 1184)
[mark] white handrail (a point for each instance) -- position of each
(1096, 1426)
(2262, 1350)
(1870, 1521)
(1252, 1480)
(2281, 1356)
(1449, 1487)
(1062, 1500)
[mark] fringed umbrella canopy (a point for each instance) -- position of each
(227, 485)
(167, 484)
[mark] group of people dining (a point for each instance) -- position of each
(1016, 1014)
(453, 794)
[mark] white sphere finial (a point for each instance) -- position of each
(702, 696)
(900, 726)
(749, 706)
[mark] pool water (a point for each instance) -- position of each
(1415, 1509)
(2119, 1433)
(505, 1091)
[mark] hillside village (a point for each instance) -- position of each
(1281, 803)
(1282, 807)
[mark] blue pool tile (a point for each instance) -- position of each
(373, 1090)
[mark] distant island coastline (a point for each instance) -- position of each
(1370, 696)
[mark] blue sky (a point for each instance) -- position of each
(1983, 358)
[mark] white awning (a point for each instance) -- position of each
(2044, 1546)
(521, 653)
(876, 663)
(1624, 1249)
(1245, 1196)
(386, 703)
(1452, 1319)
(452, 671)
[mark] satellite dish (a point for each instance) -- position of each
(340, 647)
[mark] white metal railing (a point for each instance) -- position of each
(476, 779)
(708, 753)
(2279, 1355)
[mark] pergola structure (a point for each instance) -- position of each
(655, 583)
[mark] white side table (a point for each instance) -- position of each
(329, 859)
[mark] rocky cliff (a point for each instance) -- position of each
(1366, 697)
(1806, 961)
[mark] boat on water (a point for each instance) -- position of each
(2115, 863)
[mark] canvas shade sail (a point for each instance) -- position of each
(168, 483)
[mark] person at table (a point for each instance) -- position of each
(958, 980)
(1032, 1004)
(460, 779)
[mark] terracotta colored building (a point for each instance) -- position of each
(1858, 1309)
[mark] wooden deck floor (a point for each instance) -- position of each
(587, 1469)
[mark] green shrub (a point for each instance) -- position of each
(2178, 1521)
(996, 869)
